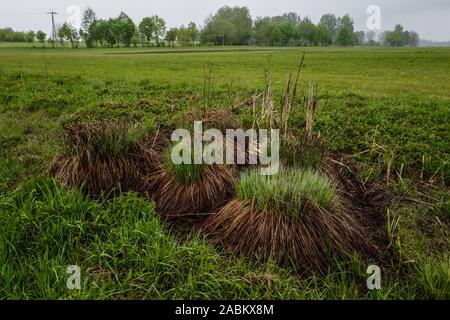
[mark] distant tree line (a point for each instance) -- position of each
(400, 37)
(9, 35)
(229, 26)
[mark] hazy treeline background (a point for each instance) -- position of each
(228, 26)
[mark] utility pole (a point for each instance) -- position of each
(53, 27)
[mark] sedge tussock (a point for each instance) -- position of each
(213, 187)
(103, 157)
(302, 225)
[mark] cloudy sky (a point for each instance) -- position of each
(430, 18)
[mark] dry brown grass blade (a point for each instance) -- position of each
(297, 78)
(286, 106)
(311, 105)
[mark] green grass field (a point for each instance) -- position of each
(385, 108)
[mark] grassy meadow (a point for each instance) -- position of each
(388, 110)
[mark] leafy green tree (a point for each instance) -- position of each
(288, 33)
(396, 38)
(263, 30)
(41, 35)
(392, 39)
(6, 34)
(401, 38)
(218, 30)
(88, 25)
(9, 35)
(346, 32)
(60, 34)
(171, 36)
(96, 33)
(228, 26)
(359, 37)
(107, 32)
(243, 24)
(147, 28)
(154, 26)
(192, 32)
(330, 22)
(406, 38)
(93, 38)
(413, 39)
(114, 30)
(125, 28)
(160, 28)
(136, 40)
(277, 34)
(324, 37)
(308, 32)
(183, 36)
(103, 33)
(30, 36)
(290, 17)
(69, 33)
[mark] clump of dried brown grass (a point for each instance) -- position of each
(308, 243)
(266, 222)
(214, 186)
(103, 157)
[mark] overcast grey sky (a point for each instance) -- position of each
(430, 18)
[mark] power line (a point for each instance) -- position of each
(20, 14)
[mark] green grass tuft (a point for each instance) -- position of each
(183, 173)
(434, 277)
(289, 191)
